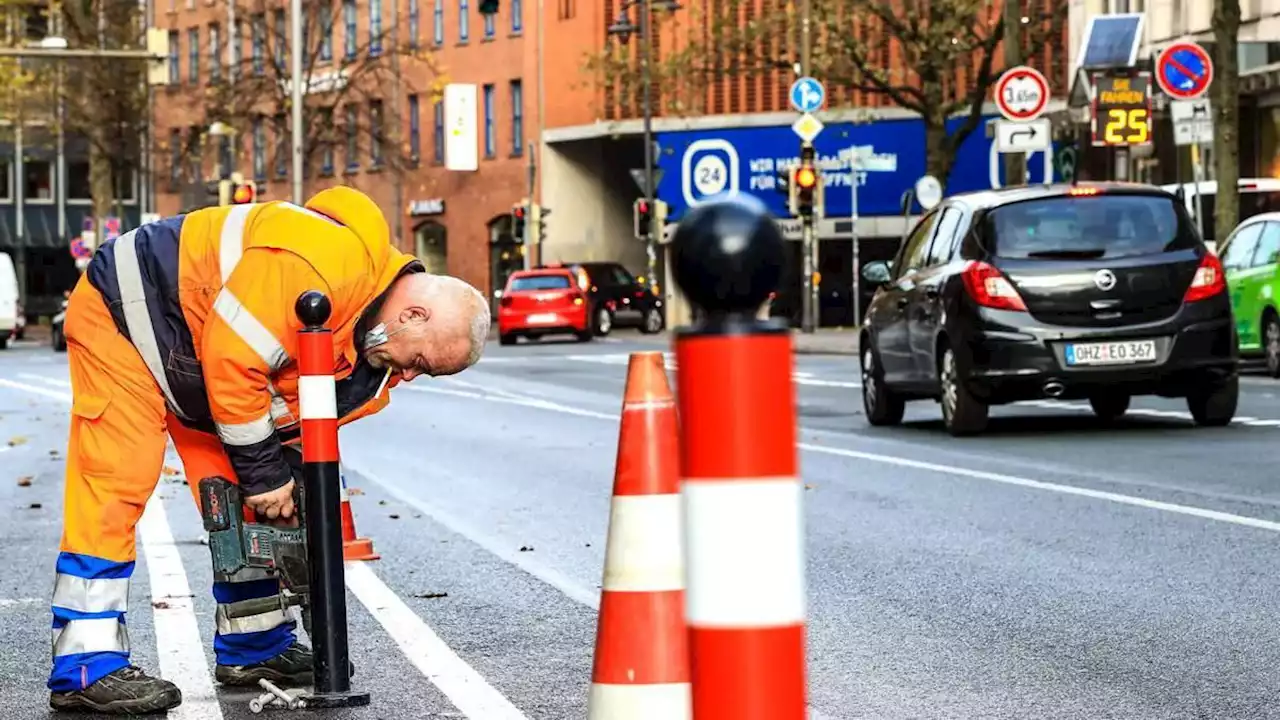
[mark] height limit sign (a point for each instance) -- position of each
(1022, 94)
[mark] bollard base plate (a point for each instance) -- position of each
(351, 698)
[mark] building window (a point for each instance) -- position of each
(490, 137)
(215, 53)
(282, 145)
(175, 157)
(489, 26)
(517, 19)
(517, 117)
(226, 157)
(280, 39)
(235, 35)
(349, 28)
(125, 185)
(353, 139)
(376, 132)
(437, 132)
(326, 32)
(326, 153)
(193, 55)
(464, 20)
(415, 131)
(37, 180)
(78, 185)
(175, 67)
(566, 9)
(375, 28)
(258, 33)
(413, 24)
(437, 22)
(259, 149)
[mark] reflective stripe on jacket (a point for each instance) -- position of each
(208, 298)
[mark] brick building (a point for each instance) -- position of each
(366, 63)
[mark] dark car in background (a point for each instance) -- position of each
(616, 297)
(1097, 292)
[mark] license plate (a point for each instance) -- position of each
(1112, 353)
(542, 318)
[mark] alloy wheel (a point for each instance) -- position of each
(652, 321)
(604, 321)
(1273, 345)
(949, 387)
(869, 380)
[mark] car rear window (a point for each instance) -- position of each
(540, 282)
(1087, 227)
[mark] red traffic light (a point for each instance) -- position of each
(242, 194)
(518, 212)
(643, 207)
(806, 177)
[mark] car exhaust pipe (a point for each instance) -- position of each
(1054, 389)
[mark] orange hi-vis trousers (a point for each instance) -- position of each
(119, 430)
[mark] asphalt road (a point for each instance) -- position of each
(1051, 568)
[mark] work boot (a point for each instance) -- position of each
(127, 691)
(291, 667)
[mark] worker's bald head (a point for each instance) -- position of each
(435, 325)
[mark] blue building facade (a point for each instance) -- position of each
(699, 164)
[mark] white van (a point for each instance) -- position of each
(1257, 196)
(8, 300)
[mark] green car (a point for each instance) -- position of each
(1249, 259)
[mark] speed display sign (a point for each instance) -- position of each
(1122, 109)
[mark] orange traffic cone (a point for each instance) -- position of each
(641, 667)
(353, 548)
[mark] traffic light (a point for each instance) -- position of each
(643, 218)
(539, 219)
(519, 213)
(237, 191)
(805, 186)
(158, 62)
(658, 220)
(489, 7)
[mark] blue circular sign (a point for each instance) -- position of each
(807, 95)
(1184, 71)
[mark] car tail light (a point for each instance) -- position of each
(578, 299)
(990, 288)
(507, 300)
(1084, 191)
(1208, 281)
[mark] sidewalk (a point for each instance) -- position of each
(826, 341)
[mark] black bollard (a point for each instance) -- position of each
(740, 469)
(317, 402)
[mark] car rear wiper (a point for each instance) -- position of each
(1087, 254)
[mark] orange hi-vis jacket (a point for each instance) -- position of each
(208, 299)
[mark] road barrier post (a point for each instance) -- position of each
(745, 595)
(322, 494)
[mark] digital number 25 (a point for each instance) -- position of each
(1134, 119)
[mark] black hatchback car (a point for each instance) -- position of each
(617, 297)
(1097, 292)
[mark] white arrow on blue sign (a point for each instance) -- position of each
(807, 95)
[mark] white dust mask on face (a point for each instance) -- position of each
(379, 335)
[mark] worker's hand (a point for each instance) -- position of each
(276, 505)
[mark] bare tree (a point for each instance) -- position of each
(348, 85)
(103, 103)
(1226, 106)
(946, 52)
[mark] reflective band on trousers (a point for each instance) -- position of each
(91, 635)
(136, 316)
(250, 329)
(91, 596)
(251, 624)
(249, 433)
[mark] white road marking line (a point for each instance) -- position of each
(465, 688)
(182, 658)
(964, 472)
(12, 602)
(47, 380)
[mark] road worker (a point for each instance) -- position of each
(186, 328)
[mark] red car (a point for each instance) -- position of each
(542, 302)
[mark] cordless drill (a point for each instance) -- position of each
(236, 544)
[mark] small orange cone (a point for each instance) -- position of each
(641, 669)
(353, 548)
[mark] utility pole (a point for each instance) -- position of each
(808, 244)
(396, 125)
(1015, 164)
(646, 51)
(530, 235)
(295, 57)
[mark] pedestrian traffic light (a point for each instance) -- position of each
(244, 193)
(805, 186)
(643, 218)
(519, 213)
(489, 7)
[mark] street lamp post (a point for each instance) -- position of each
(623, 28)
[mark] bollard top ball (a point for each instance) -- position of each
(313, 308)
(728, 255)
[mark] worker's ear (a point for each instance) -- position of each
(415, 314)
